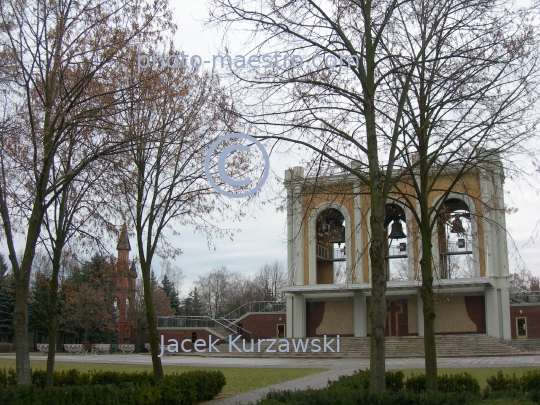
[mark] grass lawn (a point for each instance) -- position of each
(238, 379)
(481, 374)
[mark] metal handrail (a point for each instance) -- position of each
(238, 327)
(191, 322)
(529, 297)
(322, 252)
(256, 306)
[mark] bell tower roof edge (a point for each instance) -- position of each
(123, 240)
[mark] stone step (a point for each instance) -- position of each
(530, 345)
(396, 347)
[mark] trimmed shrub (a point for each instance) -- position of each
(208, 384)
(6, 347)
(68, 378)
(190, 387)
(38, 378)
(502, 382)
(416, 383)
(178, 389)
(94, 388)
(360, 380)
(462, 382)
(534, 396)
(394, 380)
(345, 397)
(82, 395)
(530, 381)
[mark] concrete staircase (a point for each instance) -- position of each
(530, 345)
(396, 347)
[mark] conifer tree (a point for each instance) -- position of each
(172, 294)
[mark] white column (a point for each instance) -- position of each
(295, 234)
(505, 314)
(493, 315)
(290, 245)
(298, 232)
(360, 315)
(356, 234)
(290, 316)
(299, 316)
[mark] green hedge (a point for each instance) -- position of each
(454, 389)
(360, 381)
(502, 382)
(67, 378)
(110, 387)
(462, 382)
(82, 395)
(350, 397)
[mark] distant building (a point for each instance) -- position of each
(329, 279)
(125, 290)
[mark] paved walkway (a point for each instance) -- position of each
(348, 366)
(335, 366)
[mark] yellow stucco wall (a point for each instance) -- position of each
(451, 316)
(343, 194)
(338, 318)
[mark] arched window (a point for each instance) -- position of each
(127, 308)
(454, 234)
(193, 337)
(395, 243)
(330, 247)
(115, 308)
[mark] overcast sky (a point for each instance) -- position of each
(263, 239)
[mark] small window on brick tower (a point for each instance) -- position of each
(127, 308)
(115, 308)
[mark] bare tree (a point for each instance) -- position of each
(474, 83)
(62, 57)
(268, 282)
(77, 216)
(329, 93)
(173, 118)
(221, 290)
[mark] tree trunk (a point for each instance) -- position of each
(426, 292)
(153, 335)
(378, 298)
(52, 321)
(377, 255)
(20, 334)
(22, 283)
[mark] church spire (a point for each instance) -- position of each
(123, 240)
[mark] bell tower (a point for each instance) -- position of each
(125, 290)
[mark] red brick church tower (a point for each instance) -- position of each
(125, 292)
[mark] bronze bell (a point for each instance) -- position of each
(397, 231)
(457, 226)
(337, 233)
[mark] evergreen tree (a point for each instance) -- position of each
(38, 308)
(3, 267)
(172, 294)
(7, 305)
(193, 305)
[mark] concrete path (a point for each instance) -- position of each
(335, 366)
(348, 366)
